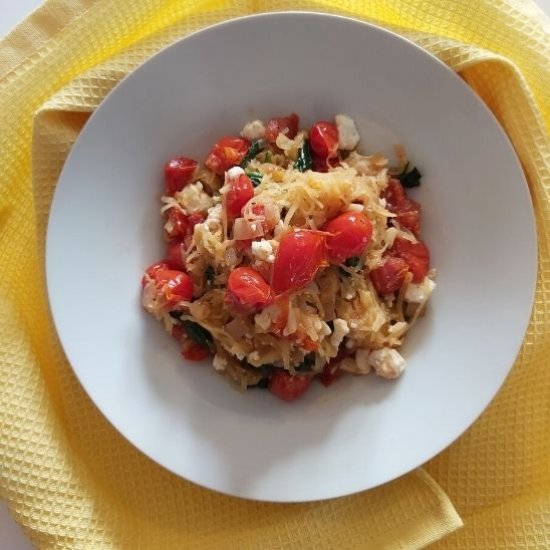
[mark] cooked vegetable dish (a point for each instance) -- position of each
(291, 256)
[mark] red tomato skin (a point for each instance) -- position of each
(240, 191)
(389, 276)
(323, 140)
(299, 256)
(152, 270)
(174, 255)
(178, 172)
(174, 285)
(177, 224)
(247, 290)
(287, 125)
(193, 351)
(288, 387)
(416, 256)
(407, 210)
(350, 234)
(227, 152)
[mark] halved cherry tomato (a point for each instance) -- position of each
(228, 152)
(174, 285)
(331, 373)
(174, 255)
(152, 270)
(247, 290)
(407, 210)
(178, 173)
(177, 224)
(299, 256)
(389, 276)
(323, 140)
(416, 256)
(239, 193)
(350, 234)
(268, 225)
(193, 351)
(288, 387)
(287, 125)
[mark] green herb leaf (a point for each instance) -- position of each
(198, 334)
(256, 178)
(410, 178)
(267, 157)
(255, 147)
(304, 161)
(307, 363)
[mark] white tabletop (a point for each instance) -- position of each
(11, 536)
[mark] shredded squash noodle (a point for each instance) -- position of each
(291, 257)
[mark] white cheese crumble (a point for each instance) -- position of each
(348, 136)
(263, 251)
(341, 329)
(387, 362)
(418, 293)
(253, 130)
(219, 362)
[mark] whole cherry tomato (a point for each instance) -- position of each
(407, 210)
(350, 234)
(178, 173)
(389, 276)
(247, 290)
(287, 125)
(299, 256)
(416, 256)
(174, 286)
(323, 140)
(174, 255)
(228, 152)
(288, 387)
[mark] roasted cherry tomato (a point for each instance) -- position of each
(239, 193)
(299, 256)
(174, 285)
(193, 351)
(416, 256)
(350, 234)
(178, 173)
(331, 373)
(288, 387)
(152, 270)
(178, 332)
(407, 211)
(323, 140)
(174, 255)
(389, 276)
(228, 152)
(178, 225)
(247, 290)
(287, 125)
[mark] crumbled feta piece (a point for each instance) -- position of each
(387, 362)
(418, 293)
(262, 250)
(233, 173)
(325, 329)
(348, 136)
(219, 362)
(355, 207)
(341, 329)
(253, 130)
(193, 199)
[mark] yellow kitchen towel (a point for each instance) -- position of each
(71, 481)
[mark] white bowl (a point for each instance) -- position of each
(105, 228)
